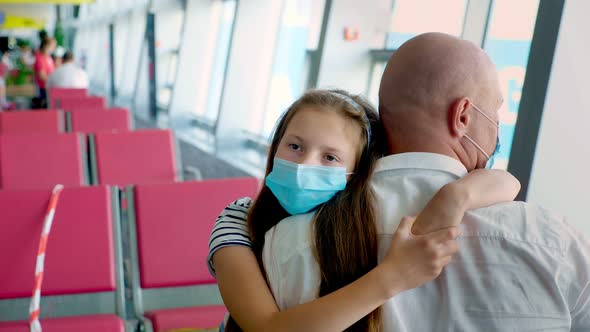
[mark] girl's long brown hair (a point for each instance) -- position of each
(345, 231)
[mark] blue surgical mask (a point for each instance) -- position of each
(490, 158)
(302, 188)
(490, 162)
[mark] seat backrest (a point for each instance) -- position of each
(99, 323)
(72, 104)
(31, 122)
(201, 318)
(56, 94)
(91, 121)
(169, 227)
(31, 110)
(173, 226)
(36, 161)
(123, 158)
(82, 254)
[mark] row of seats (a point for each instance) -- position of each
(53, 121)
(74, 100)
(163, 228)
(74, 159)
(117, 254)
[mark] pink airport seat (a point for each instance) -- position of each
(72, 104)
(92, 121)
(207, 317)
(84, 108)
(90, 323)
(94, 108)
(82, 255)
(56, 94)
(31, 110)
(31, 122)
(170, 230)
(35, 161)
(123, 158)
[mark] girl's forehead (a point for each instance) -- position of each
(322, 117)
(325, 126)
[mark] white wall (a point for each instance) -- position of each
(346, 64)
(560, 178)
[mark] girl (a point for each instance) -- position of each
(321, 159)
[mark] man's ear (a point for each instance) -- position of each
(459, 117)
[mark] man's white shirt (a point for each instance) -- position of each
(520, 267)
(68, 75)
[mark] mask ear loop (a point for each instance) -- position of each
(497, 132)
(478, 147)
(486, 116)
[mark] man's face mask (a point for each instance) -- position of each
(301, 188)
(490, 158)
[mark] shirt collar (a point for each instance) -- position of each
(421, 160)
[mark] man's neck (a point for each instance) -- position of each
(416, 131)
(436, 146)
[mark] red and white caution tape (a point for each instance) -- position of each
(34, 308)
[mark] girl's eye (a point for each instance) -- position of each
(331, 158)
(294, 147)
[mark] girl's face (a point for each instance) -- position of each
(321, 137)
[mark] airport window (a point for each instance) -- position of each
(169, 22)
(377, 69)
(508, 43)
(508, 38)
(201, 58)
(140, 99)
(96, 50)
(297, 40)
(215, 54)
(413, 17)
(121, 39)
(132, 54)
(410, 18)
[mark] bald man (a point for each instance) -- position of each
(520, 268)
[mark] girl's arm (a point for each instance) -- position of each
(479, 188)
(411, 261)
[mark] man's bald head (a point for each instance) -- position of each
(426, 77)
(432, 69)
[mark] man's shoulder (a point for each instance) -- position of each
(57, 71)
(518, 209)
(69, 67)
(77, 69)
(521, 222)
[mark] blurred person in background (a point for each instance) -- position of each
(43, 67)
(68, 75)
(5, 66)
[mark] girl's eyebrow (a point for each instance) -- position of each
(327, 148)
(332, 149)
(295, 137)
